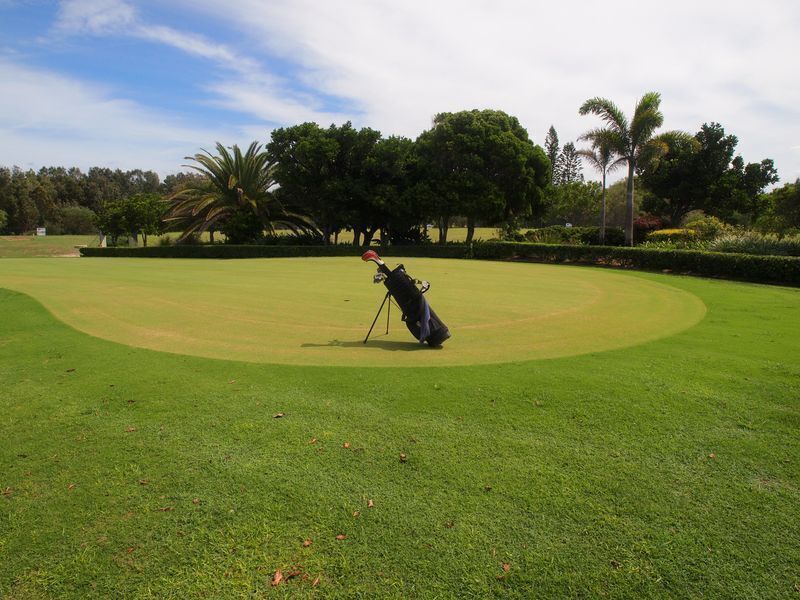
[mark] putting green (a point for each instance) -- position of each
(316, 311)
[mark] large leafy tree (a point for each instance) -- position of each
(481, 164)
(236, 188)
(703, 174)
(326, 171)
(603, 158)
(635, 141)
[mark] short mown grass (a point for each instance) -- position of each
(668, 469)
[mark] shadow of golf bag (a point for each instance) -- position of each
(423, 323)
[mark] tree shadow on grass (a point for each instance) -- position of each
(372, 343)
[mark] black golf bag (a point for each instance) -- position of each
(419, 317)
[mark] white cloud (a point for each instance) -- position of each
(62, 121)
(404, 62)
(245, 87)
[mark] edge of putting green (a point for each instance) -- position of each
(352, 353)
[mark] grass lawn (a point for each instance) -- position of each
(666, 468)
(31, 246)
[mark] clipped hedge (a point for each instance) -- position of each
(746, 267)
(274, 251)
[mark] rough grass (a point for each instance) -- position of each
(318, 310)
(669, 469)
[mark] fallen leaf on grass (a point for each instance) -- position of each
(403, 457)
(292, 574)
(278, 415)
(346, 445)
(131, 549)
(8, 491)
(70, 370)
(449, 524)
(130, 429)
(312, 441)
(370, 504)
(277, 578)
(615, 564)
(341, 536)
(166, 509)
(356, 514)
(487, 488)
(232, 381)
(196, 501)
(307, 543)
(143, 481)
(316, 582)
(71, 486)
(712, 455)
(506, 567)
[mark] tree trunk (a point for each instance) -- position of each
(211, 235)
(336, 237)
(603, 213)
(368, 233)
(356, 236)
(444, 225)
(470, 229)
(144, 239)
(629, 205)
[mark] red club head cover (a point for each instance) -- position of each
(370, 255)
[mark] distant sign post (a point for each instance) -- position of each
(41, 231)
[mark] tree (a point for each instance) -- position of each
(602, 157)
(322, 171)
(702, 173)
(481, 165)
(575, 202)
(237, 185)
(783, 207)
(551, 149)
(634, 141)
(3, 220)
(141, 214)
(568, 166)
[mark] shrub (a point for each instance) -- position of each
(558, 234)
(750, 242)
(707, 227)
(673, 235)
(644, 225)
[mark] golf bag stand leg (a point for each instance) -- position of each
(385, 298)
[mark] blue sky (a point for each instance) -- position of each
(142, 84)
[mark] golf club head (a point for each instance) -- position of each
(371, 255)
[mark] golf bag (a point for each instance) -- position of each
(423, 323)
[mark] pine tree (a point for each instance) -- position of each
(568, 167)
(551, 149)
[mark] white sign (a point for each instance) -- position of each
(569, 224)
(41, 231)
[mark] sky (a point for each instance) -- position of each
(127, 84)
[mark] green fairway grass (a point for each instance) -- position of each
(666, 469)
(318, 310)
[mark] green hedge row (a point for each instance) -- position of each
(747, 267)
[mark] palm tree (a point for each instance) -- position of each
(603, 158)
(234, 184)
(634, 142)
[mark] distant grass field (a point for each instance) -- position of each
(670, 468)
(31, 246)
